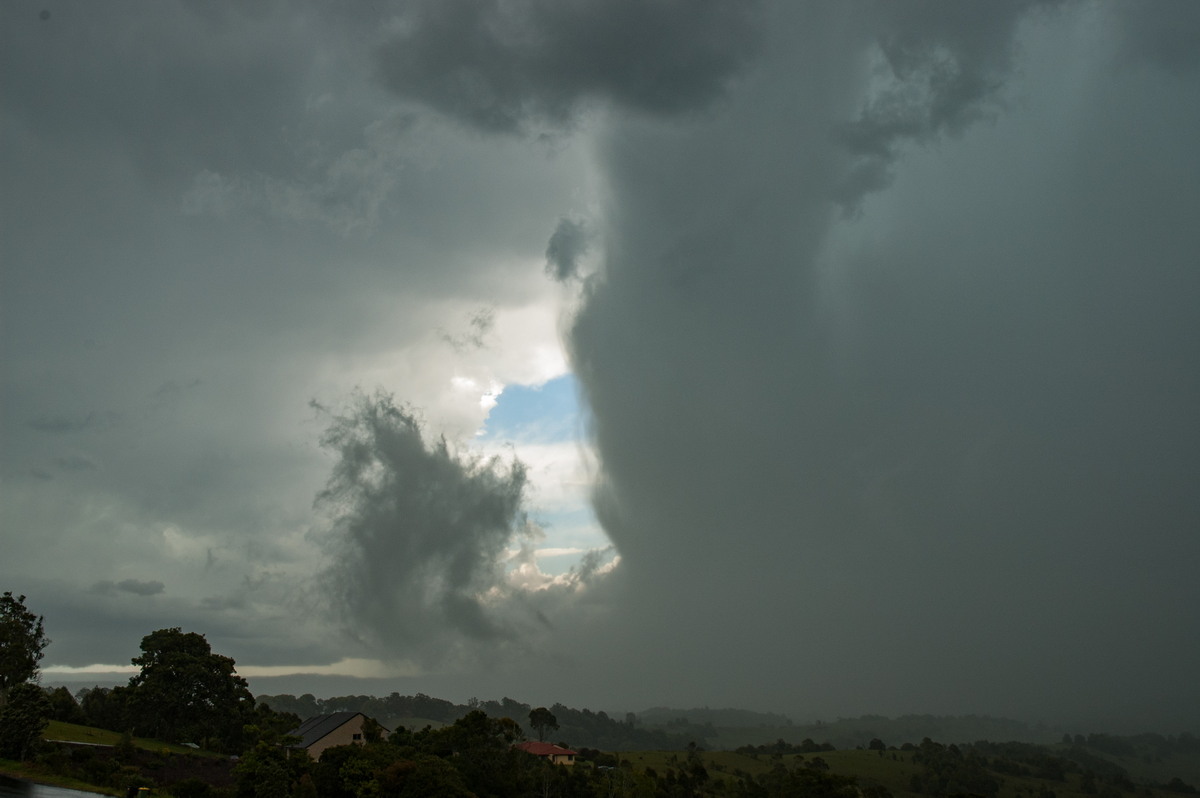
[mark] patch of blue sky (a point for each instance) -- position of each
(569, 534)
(535, 420)
(547, 413)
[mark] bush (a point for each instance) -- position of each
(191, 788)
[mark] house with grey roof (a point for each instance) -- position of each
(326, 731)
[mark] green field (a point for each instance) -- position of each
(74, 733)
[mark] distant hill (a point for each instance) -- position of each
(730, 729)
(731, 718)
(664, 728)
(934, 770)
(578, 728)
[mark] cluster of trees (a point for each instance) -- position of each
(948, 770)
(951, 769)
(474, 756)
(582, 727)
(810, 778)
(184, 692)
(713, 718)
(24, 707)
(1039, 762)
(390, 710)
(781, 748)
(1149, 746)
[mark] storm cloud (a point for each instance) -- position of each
(882, 315)
(509, 66)
(567, 246)
(949, 442)
(422, 542)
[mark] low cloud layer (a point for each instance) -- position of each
(137, 587)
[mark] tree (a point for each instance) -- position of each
(63, 706)
(540, 720)
(22, 639)
(23, 720)
(106, 707)
(266, 771)
(186, 692)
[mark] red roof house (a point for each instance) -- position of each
(554, 753)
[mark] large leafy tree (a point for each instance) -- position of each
(22, 639)
(186, 692)
(542, 719)
(22, 720)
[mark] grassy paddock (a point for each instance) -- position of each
(74, 733)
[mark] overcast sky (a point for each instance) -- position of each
(827, 358)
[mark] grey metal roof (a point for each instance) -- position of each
(313, 729)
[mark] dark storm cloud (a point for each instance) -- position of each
(944, 65)
(567, 245)
(420, 541)
(1165, 33)
(932, 457)
(195, 88)
(420, 530)
(209, 216)
(505, 66)
(936, 455)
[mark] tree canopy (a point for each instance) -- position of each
(22, 720)
(186, 692)
(22, 639)
(540, 720)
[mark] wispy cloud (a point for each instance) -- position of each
(135, 587)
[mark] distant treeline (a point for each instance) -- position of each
(661, 728)
(1140, 745)
(976, 768)
(576, 727)
(719, 718)
(730, 729)
(781, 748)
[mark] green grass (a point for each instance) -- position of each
(74, 733)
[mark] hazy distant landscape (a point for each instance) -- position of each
(702, 751)
(727, 729)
